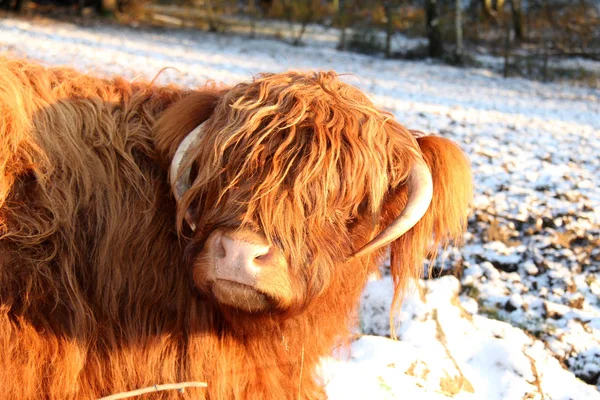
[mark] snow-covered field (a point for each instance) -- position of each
(532, 254)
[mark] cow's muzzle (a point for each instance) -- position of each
(244, 271)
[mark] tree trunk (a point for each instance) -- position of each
(307, 19)
(518, 19)
(106, 7)
(459, 30)
(545, 61)
(477, 21)
(343, 18)
(20, 5)
(5, 4)
(506, 50)
(210, 13)
(434, 33)
(253, 17)
(389, 29)
(298, 39)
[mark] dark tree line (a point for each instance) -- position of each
(101, 7)
(370, 25)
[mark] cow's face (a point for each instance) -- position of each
(285, 180)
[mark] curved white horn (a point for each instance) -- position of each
(182, 184)
(420, 193)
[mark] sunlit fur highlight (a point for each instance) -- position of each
(299, 158)
(96, 292)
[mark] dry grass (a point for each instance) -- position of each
(156, 388)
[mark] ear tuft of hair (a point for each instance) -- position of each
(452, 186)
(444, 222)
(181, 118)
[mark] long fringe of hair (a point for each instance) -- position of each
(300, 158)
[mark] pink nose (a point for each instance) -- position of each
(240, 256)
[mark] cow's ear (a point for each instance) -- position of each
(444, 221)
(181, 118)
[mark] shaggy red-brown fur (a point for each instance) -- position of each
(96, 262)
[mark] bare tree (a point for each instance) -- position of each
(253, 11)
(518, 18)
(20, 5)
(343, 19)
(434, 33)
(506, 49)
(211, 17)
(459, 29)
(304, 12)
(389, 31)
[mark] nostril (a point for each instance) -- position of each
(242, 250)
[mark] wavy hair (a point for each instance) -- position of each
(96, 293)
(300, 158)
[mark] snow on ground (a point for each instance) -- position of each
(447, 348)
(532, 254)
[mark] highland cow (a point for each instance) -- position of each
(155, 235)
